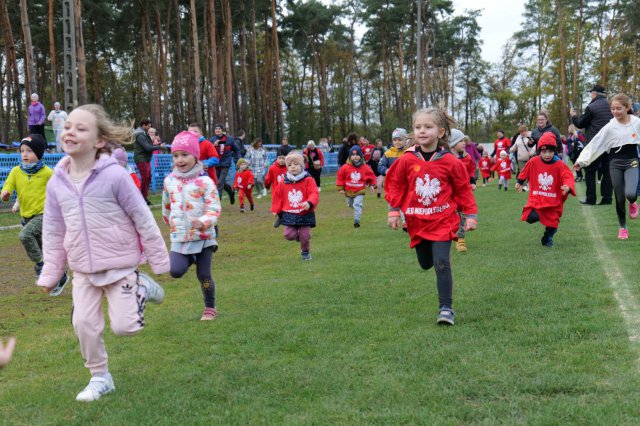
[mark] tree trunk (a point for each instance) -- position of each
(81, 62)
(228, 41)
(196, 63)
(162, 70)
(52, 55)
(576, 58)
(12, 72)
(605, 64)
(276, 59)
(30, 68)
(244, 87)
(563, 72)
(213, 46)
(257, 99)
(177, 76)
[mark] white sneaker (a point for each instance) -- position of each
(97, 387)
(155, 293)
(319, 189)
(264, 192)
(259, 196)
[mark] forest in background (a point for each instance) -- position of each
(308, 69)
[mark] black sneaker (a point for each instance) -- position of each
(147, 201)
(232, 198)
(379, 195)
(356, 224)
(57, 290)
(253, 207)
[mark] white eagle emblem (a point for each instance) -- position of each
(239, 179)
(545, 180)
(355, 177)
(503, 164)
(428, 189)
(295, 198)
(279, 178)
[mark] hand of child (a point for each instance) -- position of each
(6, 352)
(473, 186)
(576, 167)
(394, 222)
(197, 224)
(16, 207)
(306, 205)
(565, 189)
(373, 188)
(341, 191)
(249, 186)
(519, 187)
(470, 225)
(5, 195)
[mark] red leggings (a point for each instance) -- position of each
(243, 192)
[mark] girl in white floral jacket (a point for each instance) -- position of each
(191, 206)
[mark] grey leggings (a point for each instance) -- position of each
(624, 179)
(436, 253)
(180, 264)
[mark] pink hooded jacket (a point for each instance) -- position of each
(97, 230)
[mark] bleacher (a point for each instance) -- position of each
(161, 165)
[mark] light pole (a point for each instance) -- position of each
(418, 54)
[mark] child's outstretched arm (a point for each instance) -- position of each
(212, 206)
(53, 232)
(153, 245)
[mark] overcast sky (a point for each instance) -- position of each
(499, 20)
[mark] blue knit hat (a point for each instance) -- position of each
(355, 150)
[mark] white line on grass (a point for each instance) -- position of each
(617, 281)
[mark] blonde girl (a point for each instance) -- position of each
(95, 219)
(620, 138)
(429, 184)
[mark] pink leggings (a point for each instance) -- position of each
(302, 233)
(126, 313)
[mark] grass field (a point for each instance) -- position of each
(350, 337)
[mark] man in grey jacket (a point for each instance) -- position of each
(596, 115)
(142, 151)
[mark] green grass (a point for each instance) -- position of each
(350, 337)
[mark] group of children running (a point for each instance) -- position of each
(91, 207)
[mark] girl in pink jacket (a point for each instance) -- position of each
(95, 219)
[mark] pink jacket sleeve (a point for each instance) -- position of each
(53, 232)
(153, 245)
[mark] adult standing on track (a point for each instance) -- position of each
(596, 115)
(36, 116)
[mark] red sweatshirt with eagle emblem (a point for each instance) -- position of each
(545, 195)
(429, 193)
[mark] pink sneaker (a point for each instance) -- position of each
(633, 210)
(623, 234)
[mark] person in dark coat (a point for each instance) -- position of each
(227, 152)
(596, 115)
(343, 154)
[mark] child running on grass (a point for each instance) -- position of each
(295, 200)
(275, 176)
(620, 137)
(352, 181)
(243, 183)
(429, 185)
(503, 167)
(457, 145)
(191, 207)
(485, 165)
(95, 219)
(29, 180)
(550, 181)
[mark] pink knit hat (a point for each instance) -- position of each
(187, 142)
